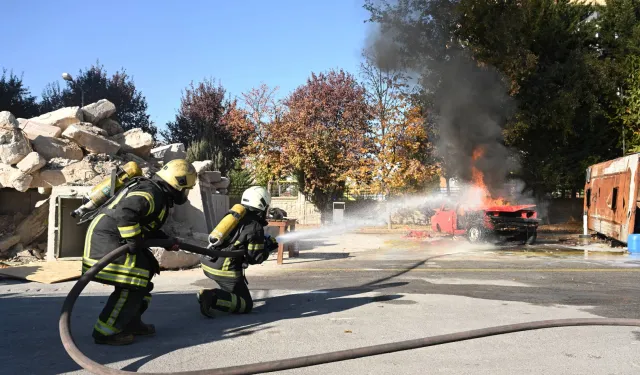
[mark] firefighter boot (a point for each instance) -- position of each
(137, 328)
(207, 298)
(122, 338)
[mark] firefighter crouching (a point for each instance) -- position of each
(248, 234)
(135, 214)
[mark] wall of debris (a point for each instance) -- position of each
(72, 146)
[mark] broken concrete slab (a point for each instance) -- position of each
(8, 121)
(175, 260)
(31, 163)
(222, 184)
(8, 242)
(14, 146)
(112, 127)
(32, 129)
(169, 152)
(78, 172)
(99, 110)
(34, 225)
(5, 175)
(203, 166)
(89, 127)
(211, 177)
(51, 148)
(62, 117)
(87, 137)
(135, 141)
(21, 181)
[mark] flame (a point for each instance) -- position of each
(477, 178)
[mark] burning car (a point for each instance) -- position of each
(504, 222)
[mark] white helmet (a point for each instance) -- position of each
(256, 197)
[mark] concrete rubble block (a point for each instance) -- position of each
(32, 129)
(112, 127)
(89, 127)
(62, 117)
(7, 242)
(37, 182)
(173, 260)
(99, 110)
(222, 184)
(86, 137)
(78, 172)
(34, 225)
(169, 152)
(51, 148)
(203, 166)
(6, 172)
(8, 121)
(211, 177)
(31, 163)
(21, 181)
(135, 141)
(14, 145)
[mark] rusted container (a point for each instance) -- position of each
(611, 197)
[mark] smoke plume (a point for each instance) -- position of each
(468, 103)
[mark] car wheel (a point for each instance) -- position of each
(475, 234)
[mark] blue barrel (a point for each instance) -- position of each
(633, 243)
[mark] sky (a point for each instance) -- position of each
(166, 44)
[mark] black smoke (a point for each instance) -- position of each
(468, 102)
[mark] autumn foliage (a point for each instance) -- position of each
(329, 135)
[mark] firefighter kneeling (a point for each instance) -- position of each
(135, 214)
(248, 234)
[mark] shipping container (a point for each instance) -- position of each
(611, 197)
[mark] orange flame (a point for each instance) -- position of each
(477, 178)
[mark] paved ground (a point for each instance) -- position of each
(355, 290)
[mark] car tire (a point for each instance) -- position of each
(475, 234)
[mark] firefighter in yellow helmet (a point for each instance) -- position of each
(135, 214)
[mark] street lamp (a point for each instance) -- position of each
(67, 77)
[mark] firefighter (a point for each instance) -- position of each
(233, 295)
(135, 214)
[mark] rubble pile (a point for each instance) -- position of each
(73, 146)
(69, 146)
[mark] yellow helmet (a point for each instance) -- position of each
(179, 174)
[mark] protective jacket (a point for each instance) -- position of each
(138, 211)
(247, 235)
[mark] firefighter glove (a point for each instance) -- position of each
(270, 243)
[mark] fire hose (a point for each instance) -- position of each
(310, 360)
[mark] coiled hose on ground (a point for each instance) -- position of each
(311, 360)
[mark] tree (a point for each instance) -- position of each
(323, 134)
(564, 90)
(257, 120)
(15, 97)
(131, 105)
(545, 55)
(619, 42)
(203, 126)
(401, 147)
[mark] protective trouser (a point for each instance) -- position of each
(124, 307)
(233, 296)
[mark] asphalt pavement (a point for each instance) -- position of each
(355, 290)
